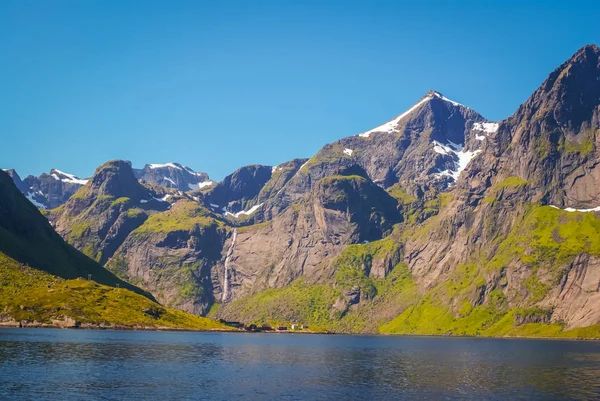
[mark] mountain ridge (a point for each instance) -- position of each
(438, 221)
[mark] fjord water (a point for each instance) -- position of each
(44, 364)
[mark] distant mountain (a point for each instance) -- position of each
(46, 282)
(47, 191)
(173, 175)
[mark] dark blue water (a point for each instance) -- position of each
(44, 364)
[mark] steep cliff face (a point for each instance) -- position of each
(554, 135)
(340, 210)
(172, 254)
(239, 190)
(522, 219)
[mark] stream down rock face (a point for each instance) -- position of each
(340, 210)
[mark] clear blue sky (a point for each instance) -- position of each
(219, 84)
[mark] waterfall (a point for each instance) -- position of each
(225, 295)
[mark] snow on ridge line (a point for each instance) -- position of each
(440, 96)
(153, 166)
(390, 125)
(70, 177)
(348, 151)
(489, 128)
(571, 209)
(243, 212)
(189, 170)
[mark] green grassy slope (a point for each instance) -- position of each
(26, 236)
(33, 295)
(544, 240)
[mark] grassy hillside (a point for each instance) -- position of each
(26, 236)
(33, 295)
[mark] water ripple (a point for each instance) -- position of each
(111, 365)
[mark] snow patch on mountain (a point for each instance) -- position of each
(66, 177)
(348, 151)
(489, 128)
(35, 203)
(164, 198)
(170, 180)
(441, 149)
(243, 212)
(172, 165)
(200, 185)
(462, 157)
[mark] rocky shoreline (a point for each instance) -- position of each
(73, 325)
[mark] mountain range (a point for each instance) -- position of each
(438, 221)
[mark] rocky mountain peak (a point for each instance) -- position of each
(551, 142)
(433, 94)
(240, 187)
(173, 175)
(569, 96)
(12, 173)
(115, 178)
